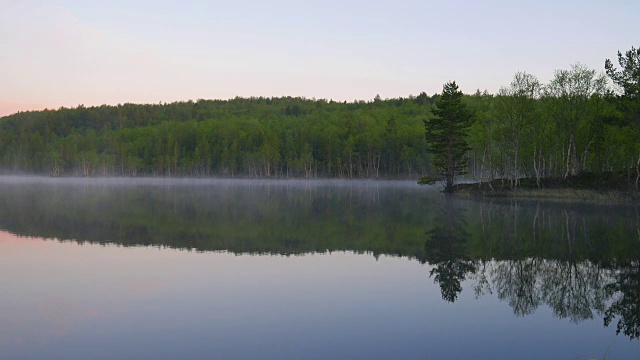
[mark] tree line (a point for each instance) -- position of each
(578, 122)
(245, 137)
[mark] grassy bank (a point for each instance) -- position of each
(617, 187)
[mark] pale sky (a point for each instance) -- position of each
(66, 53)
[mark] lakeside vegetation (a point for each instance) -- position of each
(606, 187)
(576, 123)
(567, 128)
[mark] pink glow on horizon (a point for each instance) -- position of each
(9, 108)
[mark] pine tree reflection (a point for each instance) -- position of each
(445, 250)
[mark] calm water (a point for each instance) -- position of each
(157, 269)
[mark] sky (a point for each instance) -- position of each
(67, 53)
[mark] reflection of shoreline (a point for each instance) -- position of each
(285, 220)
(568, 195)
(9, 239)
(446, 249)
(572, 286)
(575, 291)
(528, 253)
(588, 276)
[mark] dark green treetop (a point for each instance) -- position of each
(446, 134)
(628, 80)
(628, 103)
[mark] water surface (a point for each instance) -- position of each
(165, 269)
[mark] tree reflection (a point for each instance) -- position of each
(625, 293)
(445, 249)
(582, 262)
(574, 290)
(515, 282)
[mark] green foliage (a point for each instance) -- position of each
(516, 113)
(574, 102)
(428, 180)
(628, 77)
(627, 103)
(253, 137)
(446, 134)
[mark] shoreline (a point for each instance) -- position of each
(562, 194)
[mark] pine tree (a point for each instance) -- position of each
(446, 134)
(628, 80)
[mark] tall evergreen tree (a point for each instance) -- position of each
(628, 80)
(446, 134)
(628, 102)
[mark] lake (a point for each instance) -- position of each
(293, 269)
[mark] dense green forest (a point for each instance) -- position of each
(255, 137)
(582, 120)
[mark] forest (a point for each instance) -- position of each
(583, 120)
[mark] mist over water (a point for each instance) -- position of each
(306, 269)
(148, 181)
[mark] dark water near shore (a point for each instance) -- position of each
(202, 269)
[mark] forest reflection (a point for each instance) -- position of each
(582, 261)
